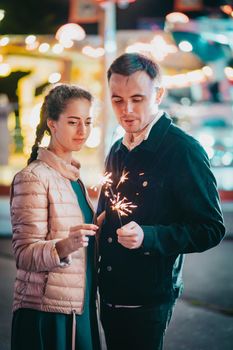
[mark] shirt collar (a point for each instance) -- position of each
(156, 135)
(142, 136)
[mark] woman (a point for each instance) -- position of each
(54, 295)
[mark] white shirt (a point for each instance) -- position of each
(137, 139)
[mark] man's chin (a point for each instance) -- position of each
(131, 129)
(136, 131)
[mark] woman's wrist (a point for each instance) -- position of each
(63, 248)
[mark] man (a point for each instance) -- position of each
(165, 174)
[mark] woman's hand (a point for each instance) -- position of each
(78, 235)
(78, 238)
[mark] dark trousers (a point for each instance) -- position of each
(139, 328)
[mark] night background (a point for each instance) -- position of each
(196, 57)
(45, 16)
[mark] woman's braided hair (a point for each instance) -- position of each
(54, 104)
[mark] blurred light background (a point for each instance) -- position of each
(49, 41)
(42, 43)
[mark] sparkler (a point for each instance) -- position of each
(123, 178)
(104, 180)
(121, 206)
(107, 182)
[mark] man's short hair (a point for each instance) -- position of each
(130, 63)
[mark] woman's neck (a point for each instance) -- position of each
(65, 155)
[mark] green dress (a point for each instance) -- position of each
(38, 330)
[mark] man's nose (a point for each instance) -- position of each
(128, 107)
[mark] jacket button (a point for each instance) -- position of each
(109, 268)
(147, 253)
(109, 239)
(145, 183)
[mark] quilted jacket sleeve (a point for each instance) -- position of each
(29, 218)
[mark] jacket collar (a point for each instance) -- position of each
(70, 171)
(155, 138)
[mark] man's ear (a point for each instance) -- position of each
(159, 94)
(51, 125)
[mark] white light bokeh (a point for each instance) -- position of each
(94, 139)
(54, 77)
(185, 46)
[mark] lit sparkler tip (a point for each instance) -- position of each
(123, 178)
(122, 207)
(106, 179)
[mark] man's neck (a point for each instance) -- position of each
(133, 135)
(131, 140)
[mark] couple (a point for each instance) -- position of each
(54, 235)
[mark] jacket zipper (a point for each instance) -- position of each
(85, 249)
(73, 328)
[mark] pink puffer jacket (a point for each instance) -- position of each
(43, 208)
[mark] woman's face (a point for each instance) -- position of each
(73, 127)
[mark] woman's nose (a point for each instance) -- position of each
(81, 128)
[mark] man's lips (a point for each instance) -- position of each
(128, 120)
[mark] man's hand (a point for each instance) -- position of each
(130, 235)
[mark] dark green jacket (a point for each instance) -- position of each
(178, 209)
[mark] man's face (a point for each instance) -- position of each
(135, 100)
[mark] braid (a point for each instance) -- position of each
(40, 130)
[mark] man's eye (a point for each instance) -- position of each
(72, 123)
(117, 101)
(88, 123)
(138, 99)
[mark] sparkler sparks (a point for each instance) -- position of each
(122, 207)
(104, 180)
(123, 178)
